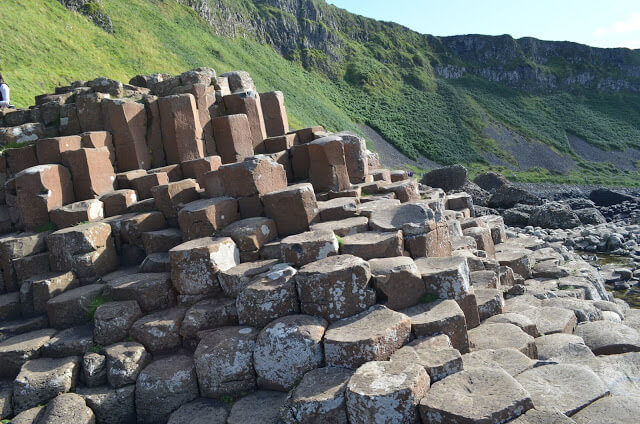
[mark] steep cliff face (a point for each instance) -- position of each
(324, 37)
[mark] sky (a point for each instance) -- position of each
(598, 23)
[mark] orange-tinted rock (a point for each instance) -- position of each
(49, 150)
(248, 103)
(198, 167)
(232, 134)
(181, 128)
(292, 208)
(328, 170)
(41, 189)
(91, 171)
(170, 198)
(128, 123)
(143, 184)
(274, 113)
(96, 139)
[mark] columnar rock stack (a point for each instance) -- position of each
(188, 258)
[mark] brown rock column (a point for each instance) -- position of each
(327, 167)
(91, 171)
(275, 115)
(248, 103)
(181, 128)
(233, 137)
(96, 139)
(128, 123)
(154, 132)
(49, 150)
(41, 189)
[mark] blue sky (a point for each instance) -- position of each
(599, 23)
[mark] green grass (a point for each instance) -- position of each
(49, 226)
(386, 82)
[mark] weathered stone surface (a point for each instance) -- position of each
(607, 338)
(115, 406)
(434, 354)
(490, 396)
(516, 259)
(447, 178)
(252, 233)
(446, 277)
(248, 103)
(509, 359)
(405, 191)
(94, 369)
(87, 250)
(398, 281)
(127, 121)
(286, 349)
(15, 351)
(164, 386)
(113, 320)
(6, 393)
(386, 392)
(42, 379)
(311, 246)
(619, 373)
(369, 245)
(41, 189)
(209, 314)
(91, 172)
(496, 336)
(338, 208)
(328, 169)
(160, 331)
(335, 287)
(344, 227)
(74, 341)
(235, 279)
(204, 217)
(618, 409)
(267, 298)
(274, 113)
(256, 175)
(200, 411)
(194, 264)
(262, 406)
(224, 361)
(568, 388)
(440, 317)
(72, 307)
(293, 209)
(170, 198)
(161, 241)
(490, 302)
(563, 348)
(372, 335)
(97, 139)
(181, 128)
(67, 408)
(319, 397)
(551, 320)
(30, 416)
(75, 213)
(525, 323)
(232, 134)
(152, 291)
(144, 183)
(355, 155)
(197, 168)
(388, 217)
(124, 362)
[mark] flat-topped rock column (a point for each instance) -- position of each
(181, 128)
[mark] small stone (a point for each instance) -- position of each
(224, 361)
(94, 369)
(286, 349)
(372, 335)
(566, 387)
(386, 392)
(475, 395)
(124, 363)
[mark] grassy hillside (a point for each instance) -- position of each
(374, 73)
(44, 45)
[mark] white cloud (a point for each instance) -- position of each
(630, 25)
(631, 44)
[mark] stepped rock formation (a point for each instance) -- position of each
(287, 279)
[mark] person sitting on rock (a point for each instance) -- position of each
(5, 100)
